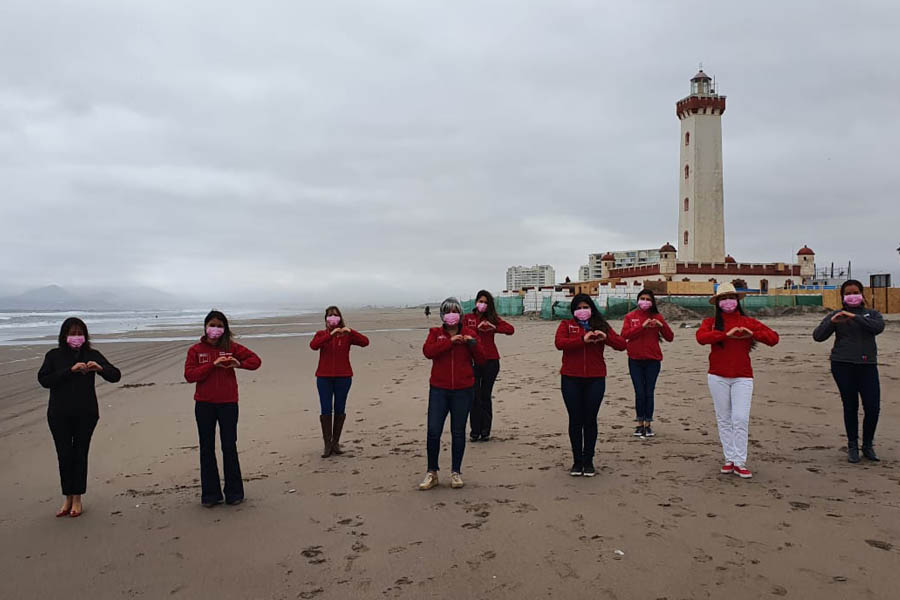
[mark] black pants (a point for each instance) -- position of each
(481, 417)
(855, 381)
(72, 437)
(226, 415)
(583, 396)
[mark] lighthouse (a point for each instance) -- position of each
(701, 204)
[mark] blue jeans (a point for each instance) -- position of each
(457, 403)
(643, 377)
(855, 382)
(333, 388)
(583, 396)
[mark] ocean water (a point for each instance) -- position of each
(25, 327)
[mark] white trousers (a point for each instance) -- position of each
(731, 397)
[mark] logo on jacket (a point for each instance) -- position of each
(204, 358)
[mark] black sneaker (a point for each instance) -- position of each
(474, 437)
(639, 431)
(648, 432)
(485, 437)
(589, 470)
(577, 470)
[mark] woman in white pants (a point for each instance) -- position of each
(731, 336)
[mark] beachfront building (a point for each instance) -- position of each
(584, 272)
(519, 277)
(700, 256)
(623, 258)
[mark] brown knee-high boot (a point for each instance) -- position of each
(325, 420)
(336, 437)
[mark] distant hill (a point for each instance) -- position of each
(54, 297)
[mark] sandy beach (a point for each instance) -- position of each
(808, 525)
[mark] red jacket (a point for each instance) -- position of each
(334, 352)
(451, 367)
(643, 342)
(730, 357)
(486, 336)
(216, 384)
(580, 359)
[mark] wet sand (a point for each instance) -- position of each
(807, 525)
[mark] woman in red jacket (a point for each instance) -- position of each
(643, 328)
(452, 349)
(484, 320)
(211, 364)
(582, 340)
(334, 375)
(731, 336)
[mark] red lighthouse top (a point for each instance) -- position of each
(703, 98)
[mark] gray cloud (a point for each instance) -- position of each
(398, 151)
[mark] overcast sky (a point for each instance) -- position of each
(399, 151)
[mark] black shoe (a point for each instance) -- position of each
(852, 452)
(577, 470)
(474, 437)
(211, 504)
(485, 436)
(234, 502)
(869, 452)
(639, 431)
(648, 432)
(589, 470)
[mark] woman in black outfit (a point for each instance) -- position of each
(854, 364)
(68, 372)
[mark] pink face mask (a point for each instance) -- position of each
(644, 304)
(214, 333)
(729, 305)
(481, 306)
(333, 320)
(583, 314)
(451, 319)
(75, 341)
(853, 299)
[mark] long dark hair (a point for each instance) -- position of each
(64, 332)
(720, 323)
(338, 311)
(597, 322)
(646, 292)
(491, 313)
(857, 284)
(225, 340)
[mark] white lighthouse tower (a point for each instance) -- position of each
(701, 210)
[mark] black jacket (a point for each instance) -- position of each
(854, 338)
(73, 393)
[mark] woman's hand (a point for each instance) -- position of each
(80, 367)
(486, 326)
(458, 339)
(652, 323)
(842, 316)
(94, 366)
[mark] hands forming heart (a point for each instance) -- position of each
(842, 316)
(594, 337)
(739, 333)
(652, 323)
(486, 326)
(227, 362)
(93, 366)
(80, 367)
(340, 331)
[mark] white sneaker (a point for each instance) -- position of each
(456, 481)
(430, 481)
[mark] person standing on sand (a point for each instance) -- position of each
(427, 312)
(68, 372)
(854, 364)
(731, 336)
(211, 364)
(485, 321)
(583, 376)
(642, 329)
(452, 349)
(334, 375)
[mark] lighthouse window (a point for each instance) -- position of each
(687, 204)
(685, 238)
(687, 171)
(687, 138)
